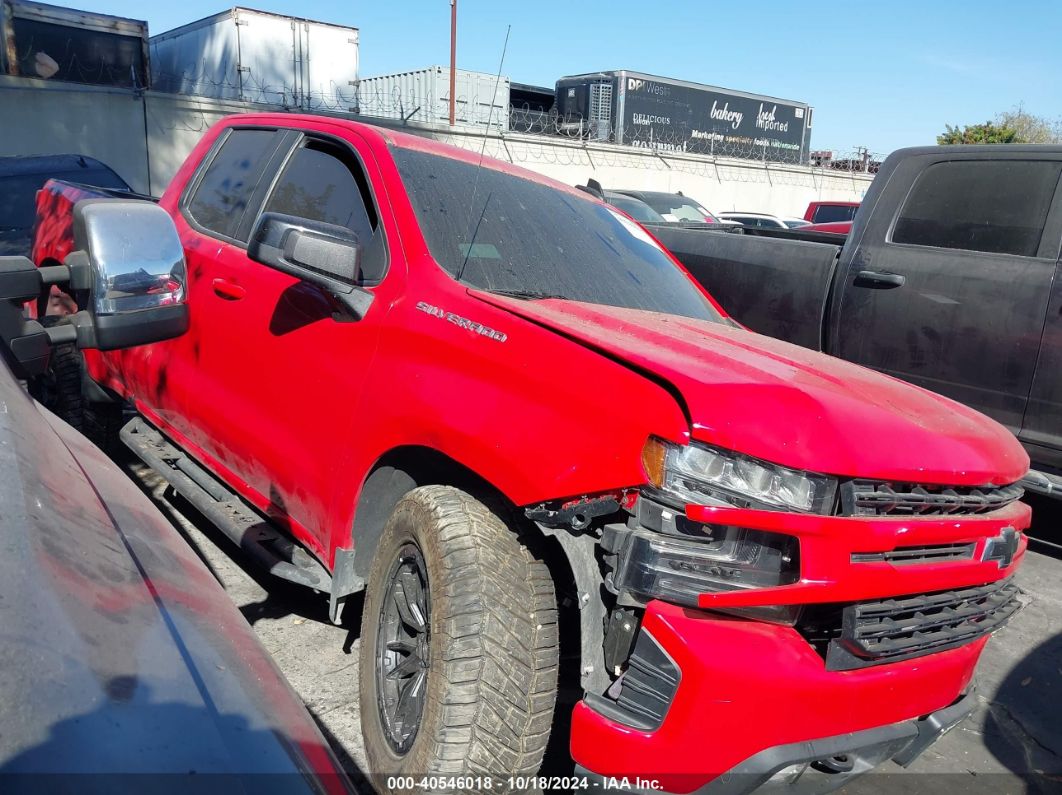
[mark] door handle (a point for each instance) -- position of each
(230, 291)
(879, 280)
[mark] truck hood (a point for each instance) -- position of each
(782, 403)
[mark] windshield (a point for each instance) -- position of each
(635, 208)
(678, 208)
(506, 234)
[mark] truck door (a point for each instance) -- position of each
(1041, 431)
(288, 363)
(952, 290)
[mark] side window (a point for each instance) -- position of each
(995, 206)
(221, 197)
(320, 183)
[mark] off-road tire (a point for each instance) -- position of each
(493, 643)
(60, 391)
(59, 388)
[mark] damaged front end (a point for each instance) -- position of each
(725, 578)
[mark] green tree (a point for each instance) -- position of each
(1015, 126)
(987, 133)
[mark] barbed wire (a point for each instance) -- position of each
(546, 137)
(415, 104)
(411, 99)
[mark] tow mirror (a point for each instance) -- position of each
(131, 262)
(323, 254)
(127, 273)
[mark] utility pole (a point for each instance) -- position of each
(453, 61)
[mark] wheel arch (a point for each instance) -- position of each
(398, 472)
(402, 469)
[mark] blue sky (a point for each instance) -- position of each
(880, 74)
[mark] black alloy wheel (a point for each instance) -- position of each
(463, 675)
(402, 649)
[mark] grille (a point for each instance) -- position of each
(873, 633)
(902, 556)
(872, 498)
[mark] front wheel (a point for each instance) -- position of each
(459, 646)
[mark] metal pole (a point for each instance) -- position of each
(453, 61)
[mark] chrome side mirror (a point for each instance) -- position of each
(130, 259)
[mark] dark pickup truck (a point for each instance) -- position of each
(947, 280)
(22, 177)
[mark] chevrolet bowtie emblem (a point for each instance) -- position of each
(1002, 548)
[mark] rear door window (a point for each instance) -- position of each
(220, 199)
(994, 206)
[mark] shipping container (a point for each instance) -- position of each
(423, 96)
(675, 115)
(56, 43)
(256, 56)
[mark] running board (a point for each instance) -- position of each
(249, 530)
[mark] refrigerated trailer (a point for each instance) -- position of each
(256, 56)
(675, 115)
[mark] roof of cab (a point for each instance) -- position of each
(402, 140)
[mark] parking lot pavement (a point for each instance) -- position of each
(1012, 743)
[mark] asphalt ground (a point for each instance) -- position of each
(1011, 744)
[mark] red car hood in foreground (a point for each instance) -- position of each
(795, 407)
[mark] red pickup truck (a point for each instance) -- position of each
(830, 212)
(499, 408)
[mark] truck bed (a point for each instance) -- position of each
(776, 284)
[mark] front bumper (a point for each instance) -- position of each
(750, 695)
(815, 766)
(830, 763)
(739, 698)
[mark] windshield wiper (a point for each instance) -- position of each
(530, 295)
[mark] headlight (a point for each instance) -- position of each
(700, 474)
(656, 565)
(729, 558)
